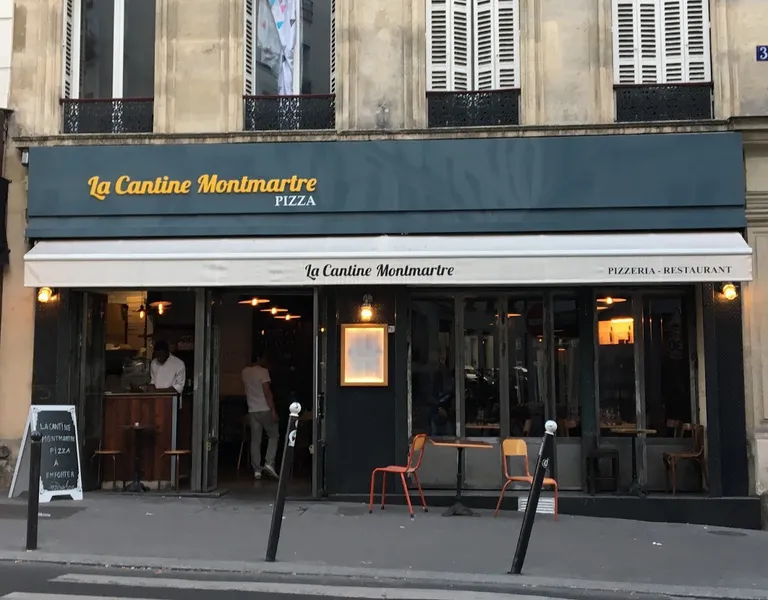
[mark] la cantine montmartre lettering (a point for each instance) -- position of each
(382, 270)
(673, 270)
(206, 184)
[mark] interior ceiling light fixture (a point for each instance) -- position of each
(255, 301)
(274, 310)
(611, 300)
(288, 317)
(160, 305)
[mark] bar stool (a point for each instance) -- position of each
(100, 453)
(175, 455)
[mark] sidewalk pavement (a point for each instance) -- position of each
(328, 539)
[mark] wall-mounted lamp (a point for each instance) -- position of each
(729, 291)
(142, 312)
(45, 295)
(366, 308)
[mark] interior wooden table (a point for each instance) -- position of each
(634, 487)
(458, 509)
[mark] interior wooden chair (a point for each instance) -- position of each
(514, 447)
(676, 427)
(415, 456)
(697, 455)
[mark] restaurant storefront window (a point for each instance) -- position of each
(523, 364)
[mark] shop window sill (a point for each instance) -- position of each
(107, 115)
(680, 102)
(473, 109)
(289, 113)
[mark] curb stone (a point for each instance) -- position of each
(521, 583)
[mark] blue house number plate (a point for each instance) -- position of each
(762, 54)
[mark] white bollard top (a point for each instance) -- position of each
(550, 427)
(295, 409)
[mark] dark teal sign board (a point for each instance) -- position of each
(555, 184)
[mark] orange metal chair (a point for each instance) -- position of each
(512, 447)
(417, 446)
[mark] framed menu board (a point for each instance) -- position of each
(364, 356)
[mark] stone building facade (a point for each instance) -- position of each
(566, 84)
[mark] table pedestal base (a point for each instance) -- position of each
(136, 487)
(457, 509)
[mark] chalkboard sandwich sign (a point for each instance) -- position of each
(60, 453)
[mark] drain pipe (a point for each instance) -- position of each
(4, 117)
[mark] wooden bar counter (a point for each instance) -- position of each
(168, 419)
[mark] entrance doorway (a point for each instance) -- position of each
(281, 328)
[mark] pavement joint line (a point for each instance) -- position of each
(502, 581)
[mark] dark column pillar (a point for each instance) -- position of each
(587, 361)
(724, 375)
(55, 345)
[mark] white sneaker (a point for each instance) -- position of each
(257, 475)
(270, 470)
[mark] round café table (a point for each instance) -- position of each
(635, 487)
(459, 509)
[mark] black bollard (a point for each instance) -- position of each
(33, 502)
(545, 456)
(285, 475)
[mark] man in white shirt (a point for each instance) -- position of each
(167, 372)
(262, 416)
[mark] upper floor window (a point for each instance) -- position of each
(289, 79)
(662, 61)
(473, 62)
(108, 71)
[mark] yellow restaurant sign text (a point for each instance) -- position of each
(294, 190)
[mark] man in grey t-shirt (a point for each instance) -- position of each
(262, 416)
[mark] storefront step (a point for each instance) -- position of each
(737, 512)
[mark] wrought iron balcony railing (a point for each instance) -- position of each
(113, 115)
(473, 109)
(668, 102)
(289, 113)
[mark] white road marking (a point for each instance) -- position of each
(33, 596)
(286, 588)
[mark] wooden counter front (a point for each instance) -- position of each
(156, 412)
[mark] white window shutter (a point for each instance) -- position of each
(496, 34)
(461, 45)
(649, 33)
(449, 46)
(672, 44)
(626, 41)
(70, 43)
(333, 46)
(484, 30)
(508, 44)
(249, 46)
(696, 36)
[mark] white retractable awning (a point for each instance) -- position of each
(413, 260)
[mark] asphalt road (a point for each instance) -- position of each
(33, 581)
(41, 581)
